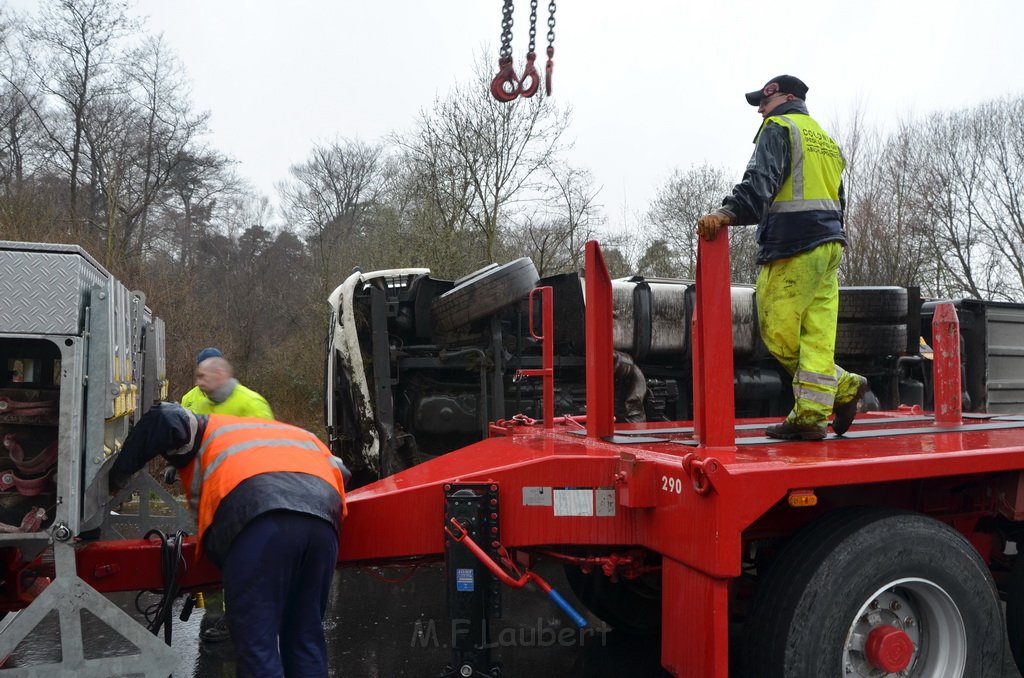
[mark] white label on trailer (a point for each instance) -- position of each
(574, 502)
(605, 498)
(536, 496)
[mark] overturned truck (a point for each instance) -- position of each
(418, 366)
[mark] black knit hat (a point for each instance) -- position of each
(787, 84)
(209, 352)
(166, 427)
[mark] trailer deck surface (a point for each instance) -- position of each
(879, 447)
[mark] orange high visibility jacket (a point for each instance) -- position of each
(234, 449)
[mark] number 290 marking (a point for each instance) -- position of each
(670, 484)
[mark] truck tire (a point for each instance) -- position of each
(484, 292)
(1015, 608)
(853, 578)
(873, 303)
(869, 339)
(632, 606)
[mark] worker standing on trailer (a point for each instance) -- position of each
(793, 190)
(218, 392)
(270, 499)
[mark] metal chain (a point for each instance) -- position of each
(506, 30)
(551, 23)
(550, 67)
(533, 26)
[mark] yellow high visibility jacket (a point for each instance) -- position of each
(243, 402)
(816, 167)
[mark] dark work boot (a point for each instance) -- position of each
(844, 413)
(217, 632)
(790, 431)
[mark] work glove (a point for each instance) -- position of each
(346, 475)
(709, 224)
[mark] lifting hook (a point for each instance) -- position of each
(548, 69)
(505, 86)
(528, 89)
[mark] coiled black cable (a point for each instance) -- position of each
(172, 564)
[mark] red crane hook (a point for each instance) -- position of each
(505, 86)
(528, 89)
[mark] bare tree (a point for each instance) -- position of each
(658, 260)
(478, 159)
(948, 186)
(199, 180)
(1001, 207)
(886, 226)
(679, 203)
(25, 208)
(328, 196)
(555, 234)
(79, 40)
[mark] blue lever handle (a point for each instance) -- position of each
(561, 602)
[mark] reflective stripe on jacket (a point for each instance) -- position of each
(235, 449)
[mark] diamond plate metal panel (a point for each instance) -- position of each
(41, 292)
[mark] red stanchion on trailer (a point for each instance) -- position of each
(946, 340)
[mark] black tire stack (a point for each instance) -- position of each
(872, 321)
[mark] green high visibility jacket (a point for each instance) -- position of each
(816, 168)
(792, 187)
(243, 402)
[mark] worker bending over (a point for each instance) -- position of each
(270, 499)
(218, 392)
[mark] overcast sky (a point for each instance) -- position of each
(653, 84)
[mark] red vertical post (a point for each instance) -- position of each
(946, 344)
(714, 405)
(600, 347)
(547, 343)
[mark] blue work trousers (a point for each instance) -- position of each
(277, 576)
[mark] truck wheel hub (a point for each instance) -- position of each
(889, 648)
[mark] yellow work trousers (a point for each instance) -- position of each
(797, 305)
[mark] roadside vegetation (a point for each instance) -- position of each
(101, 146)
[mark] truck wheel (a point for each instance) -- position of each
(632, 606)
(873, 303)
(1015, 609)
(484, 292)
(876, 592)
(870, 339)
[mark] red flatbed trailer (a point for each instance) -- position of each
(701, 494)
(884, 538)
